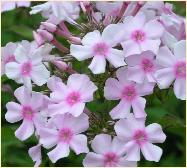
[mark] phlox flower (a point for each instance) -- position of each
(107, 153)
(28, 65)
(138, 137)
(141, 68)
(28, 110)
(35, 154)
(100, 47)
(129, 93)
(173, 69)
(138, 35)
(65, 134)
(70, 98)
(58, 11)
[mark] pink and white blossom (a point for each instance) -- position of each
(35, 154)
(70, 98)
(138, 35)
(138, 138)
(65, 134)
(10, 5)
(28, 65)
(108, 152)
(173, 69)
(129, 93)
(100, 47)
(28, 111)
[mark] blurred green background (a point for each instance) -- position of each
(162, 106)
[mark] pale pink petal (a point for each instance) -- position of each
(14, 112)
(101, 143)
(138, 106)
(91, 38)
(36, 57)
(112, 89)
(60, 151)
(12, 70)
(81, 52)
(48, 137)
(133, 151)
(150, 45)
(36, 100)
(124, 163)
(79, 144)
(145, 88)
(109, 36)
(6, 6)
(180, 49)
(121, 74)
(133, 60)
(93, 160)
(151, 152)
(122, 110)
(150, 78)
(35, 154)
(116, 58)
(98, 65)
(77, 109)
(164, 77)
(118, 146)
(23, 95)
(27, 82)
(23, 4)
(59, 108)
(155, 133)
(180, 88)
(165, 58)
(130, 48)
(136, 74)
(58, 95)
(153, 29)
(40, 74)
(51, 83)
(21, 54)
(25, 130)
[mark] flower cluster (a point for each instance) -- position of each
(136, 46)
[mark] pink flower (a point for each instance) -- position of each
(138, 35)
(141, 68)
(70, 98)
(28, 65)
(108, 153)
(7, 55)
(28, 110)
(65, 134)
(129, 93)
(138, 137)
(35, 154)
(8, 5)
(100, 47)
(174, 69)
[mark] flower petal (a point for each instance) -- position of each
(60, 151)
(150, 45)
(138, 106)
(79, 144)
(59, 108)
(98, 65)
(180, 49)
(12, 70)
(101, 143)
(133, 151)
(124, 163)
(180, 88)
(136, 74)
(118, 146)
(14, 112)
(51, 83)
(21, 55)
(35, 154)
(116, 58)
(145, 88)
(22, 94)
(25, 130)
(151, 152)
(77, 109)
(122, 110)
(93, 160)
(155, 133)
(91, 38)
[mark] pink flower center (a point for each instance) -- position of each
(65, 135)
(138, 36)
(100, 49)
(73, 98)
(129, 92)
(26, 68)
(180, 69)
(110, 159)
(147, 65)
(140, 137)
(10, 58)
(27, 112)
